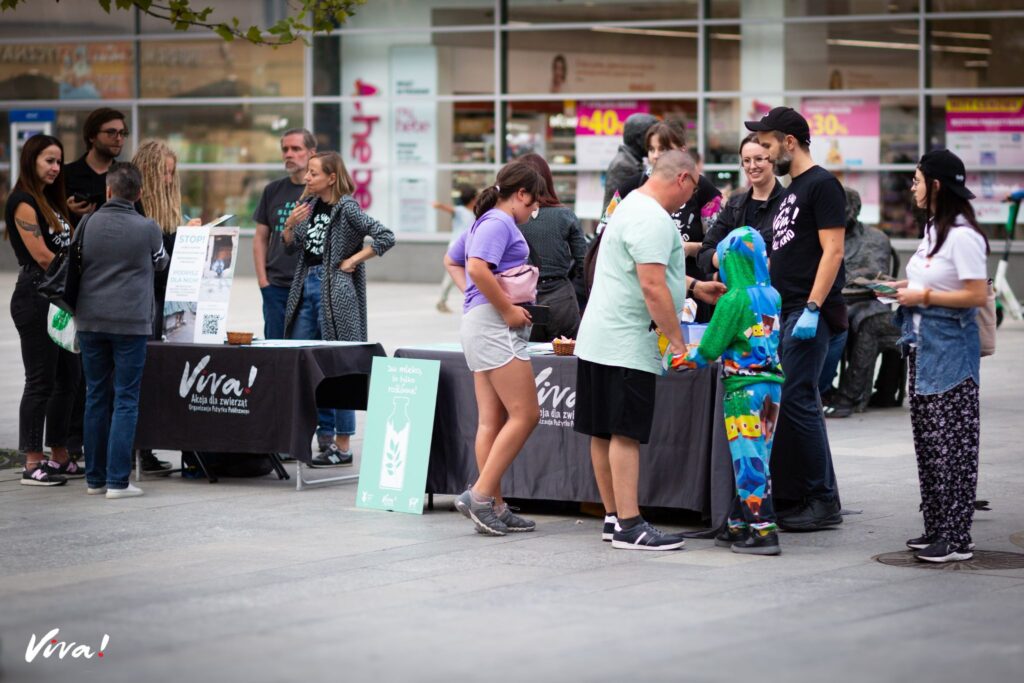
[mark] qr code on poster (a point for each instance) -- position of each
(211, 324)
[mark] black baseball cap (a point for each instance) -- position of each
(946, 167)
(785, 120)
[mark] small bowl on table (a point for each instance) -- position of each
(563, 347)
(239, 338)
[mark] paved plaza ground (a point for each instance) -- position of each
(249, 580)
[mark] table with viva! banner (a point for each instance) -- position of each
(686, 465)
(248, 399)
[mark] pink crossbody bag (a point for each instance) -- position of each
(519, 282)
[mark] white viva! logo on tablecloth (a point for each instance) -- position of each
(199, 284)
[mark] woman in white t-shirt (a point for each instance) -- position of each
(947, 280)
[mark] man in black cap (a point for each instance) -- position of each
(806, 267)
(626, 170)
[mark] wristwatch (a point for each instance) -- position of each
(812, 307)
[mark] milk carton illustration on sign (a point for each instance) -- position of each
(396, 445)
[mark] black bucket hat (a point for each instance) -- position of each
(948, 169)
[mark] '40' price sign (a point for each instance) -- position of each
(605, 118)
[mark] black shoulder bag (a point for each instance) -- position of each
(61, 281)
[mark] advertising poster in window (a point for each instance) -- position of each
(413, 138)
(599, 128)
(199, 284)
(986, 131)
(845, 132)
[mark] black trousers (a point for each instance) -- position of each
(51, 373)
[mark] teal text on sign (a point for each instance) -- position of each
(399, 426)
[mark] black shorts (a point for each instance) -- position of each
(612, 400)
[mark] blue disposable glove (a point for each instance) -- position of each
(807, 325)
(1017, 196)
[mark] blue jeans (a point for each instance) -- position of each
(274, 301)
(308, 319)
(113, 365)
(801, 458)
(836, 345)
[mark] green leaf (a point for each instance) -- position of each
(105, 4)
(224, 32)
(254, 35)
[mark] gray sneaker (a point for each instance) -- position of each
(482, 514)
(514, 522)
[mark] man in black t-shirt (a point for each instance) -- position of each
(806, 267)
(274, 267)
(85, 180)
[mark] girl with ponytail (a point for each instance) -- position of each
(494, 332)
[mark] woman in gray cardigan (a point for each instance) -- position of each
(327, 298)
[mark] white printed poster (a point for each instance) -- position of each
(199, 284)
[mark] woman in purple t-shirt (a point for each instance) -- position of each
(494, 333)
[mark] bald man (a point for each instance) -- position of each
(640, 276)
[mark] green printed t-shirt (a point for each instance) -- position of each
(616, 326)
(276, 203)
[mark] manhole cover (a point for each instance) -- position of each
(983, 560)
(1017, 538)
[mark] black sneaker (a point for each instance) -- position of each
(944, 551)
(922, 542)
(324, 441)
(332, 457)
(759, 542)
(43, 474)
(838, 409)
(815, 515)
(643, 536)
(731, 534)
(69, 469)
(151, 464)
(611, 525)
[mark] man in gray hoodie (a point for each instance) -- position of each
(120, 252)
(627, 167)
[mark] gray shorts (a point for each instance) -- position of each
(487, 341)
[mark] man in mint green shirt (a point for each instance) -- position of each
(640, 276)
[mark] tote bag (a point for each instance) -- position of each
(987, 323)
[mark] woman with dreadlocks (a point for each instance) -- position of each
(161, 201)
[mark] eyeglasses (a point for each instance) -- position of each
(115, 132)
(915, 182)
(756, 161)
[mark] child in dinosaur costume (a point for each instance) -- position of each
(744, 332)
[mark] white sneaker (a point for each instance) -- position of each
(96, 491)
(131, 491)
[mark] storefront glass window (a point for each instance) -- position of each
(63, 71)
(209, 194)
(45, 19)
(214, 68)
(417, 64)
(977, 53)
(546, 12)
(861, 56)
(234, 134)
(603, 59)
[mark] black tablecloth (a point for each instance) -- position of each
(686, 465)
(247, 399)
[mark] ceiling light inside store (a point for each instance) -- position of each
(845, 42)
(976, 64)
(944, 34)
(645, 32)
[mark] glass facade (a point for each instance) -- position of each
(421, 96)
